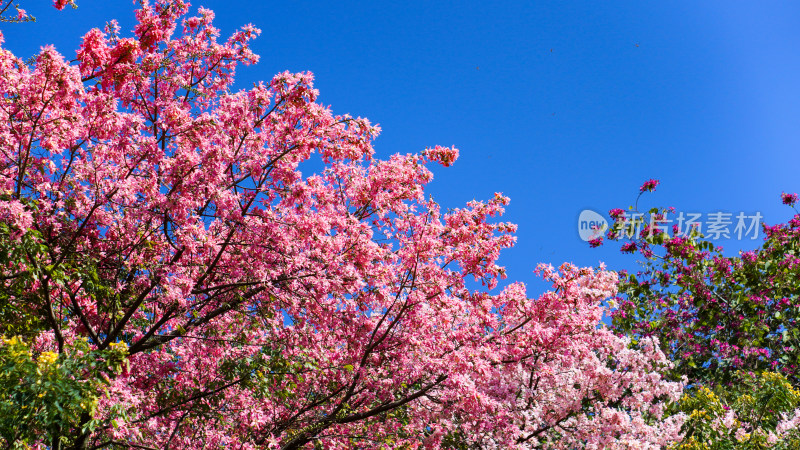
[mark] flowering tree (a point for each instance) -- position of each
(758, 411)
(714, 314)
(21, 15)
(720, 319)
(158, 238)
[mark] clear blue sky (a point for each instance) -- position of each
(561, 105)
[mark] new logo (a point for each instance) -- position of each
(591, 225)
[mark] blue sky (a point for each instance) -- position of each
(561, 105)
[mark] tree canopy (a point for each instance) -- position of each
(729, 324)
(174, 281)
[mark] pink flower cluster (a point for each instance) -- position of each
(789, 199)
(649, 185)
(61, 4)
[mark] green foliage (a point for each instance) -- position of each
(729, 323)
(19, 312)
(715, 314)
(51, 394)
(753, 412)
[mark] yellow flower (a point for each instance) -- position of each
(119, 346)
(48, 358)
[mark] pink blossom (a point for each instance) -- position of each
(649, 185)
(60, 4)
(789, 199)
